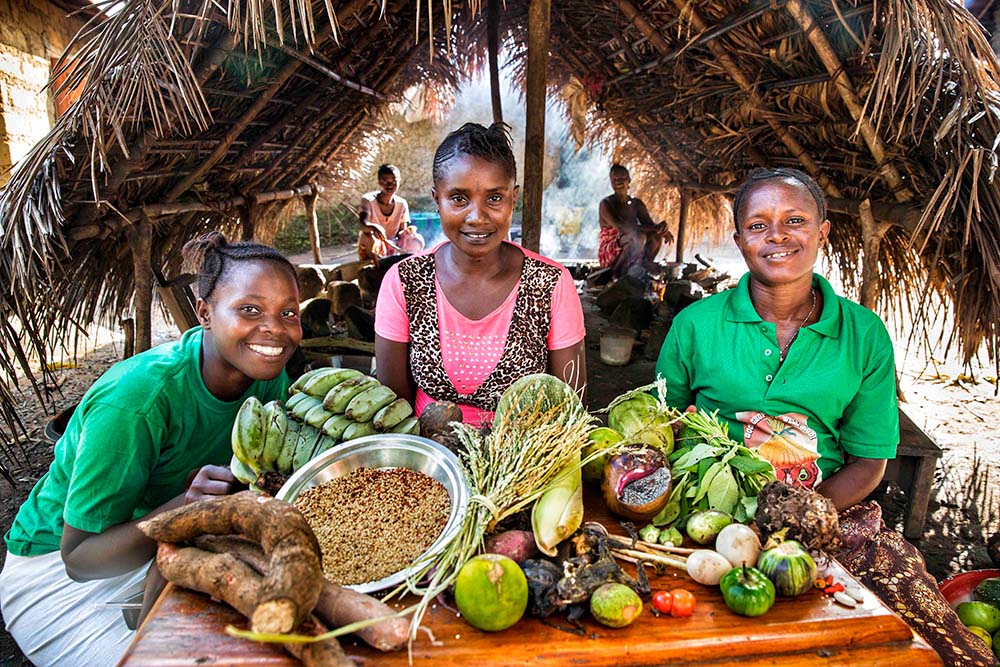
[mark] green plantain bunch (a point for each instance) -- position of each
(327, 406)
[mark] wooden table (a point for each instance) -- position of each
(186, 628)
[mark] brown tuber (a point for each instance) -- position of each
(435, 423)
(289, 591)
(806, 517)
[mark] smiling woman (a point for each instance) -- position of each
(151, 434)
(464, 321)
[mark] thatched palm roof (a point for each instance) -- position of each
(189, 106)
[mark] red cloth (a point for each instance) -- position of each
(608, 249)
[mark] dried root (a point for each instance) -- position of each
(805, 515)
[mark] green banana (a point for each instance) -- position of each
(241, 471)
(248, 433)
(324, 443)
(364, 406)
(275, 427)
(317, 416)
(319, 384)
(284, 461)
(336, 399)
(410, 426)
(308, 438)
(302, 379)
(392, 414)
(303, 407)
(359, 429)
(294, 400)
(335, 426)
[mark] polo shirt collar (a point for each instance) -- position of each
(740, 307)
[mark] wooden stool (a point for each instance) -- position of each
(913, 469)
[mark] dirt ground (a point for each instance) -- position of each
(961, 413)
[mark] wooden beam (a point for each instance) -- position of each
(140, 239)
(249, 211)
(323, 69)
(493, 50)
(901, 191)
(310, 204)
(872, 234)
(901, 215)
(690, 12)
(682, 224)
(175, 208)
(539, 25)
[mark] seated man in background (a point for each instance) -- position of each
(385, 220)
(628, 234)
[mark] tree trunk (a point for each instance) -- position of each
(539, 13)
(140, 238)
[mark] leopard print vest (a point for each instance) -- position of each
(526, 350)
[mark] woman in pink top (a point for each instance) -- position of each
(385, 220)
(463, 321)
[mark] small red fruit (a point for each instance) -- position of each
(682, 603)
(662, 602)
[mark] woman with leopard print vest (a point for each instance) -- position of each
(465, 320)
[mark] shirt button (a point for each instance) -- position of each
(767, 353)
(768, 377)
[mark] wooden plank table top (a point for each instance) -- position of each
(186, 628)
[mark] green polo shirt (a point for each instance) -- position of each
(834, 394)
(138, 432)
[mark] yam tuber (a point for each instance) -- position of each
(227, 578)
(292, 584)
(337, 605)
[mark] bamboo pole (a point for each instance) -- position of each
(872, 233)
(174, 208)
(310, 203)
(493, 47)
(823, 48)
(690, 11)
(539, 24)
(249, 210)
(140, 239)
(682, 224)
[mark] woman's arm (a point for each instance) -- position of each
(124, 547)
(570, 365)
(853, 482)
(392, 362)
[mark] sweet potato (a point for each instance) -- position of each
(435, 423)
(292, 584)
(336, 606)
(518, 545)
(227, 578)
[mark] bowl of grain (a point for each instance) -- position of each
(380, 506)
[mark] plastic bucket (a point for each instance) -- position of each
(616, 346)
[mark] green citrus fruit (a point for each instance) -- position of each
(982, 634)
(615, 605)
(491, 592)
(599, 439)
(980, 614)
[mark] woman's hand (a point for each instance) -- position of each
(209, 482)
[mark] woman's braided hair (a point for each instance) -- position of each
(491, 143)
(760, 175)
(215, 255)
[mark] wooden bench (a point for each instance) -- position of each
(913, 469)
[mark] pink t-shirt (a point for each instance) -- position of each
(471, 349)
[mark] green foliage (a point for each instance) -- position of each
(337, 225)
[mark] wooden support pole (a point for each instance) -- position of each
(689, 11)
(823, 48)
(249, 211)
(493, 46)
(170, 208)
(871, 238)
(682, 224)
(140, 238)
(539, 14)
(310, 203)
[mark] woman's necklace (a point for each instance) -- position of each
(784, 350)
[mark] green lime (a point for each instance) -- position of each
(491, 592)
(982, 634)
(615, 605)
(980, 614)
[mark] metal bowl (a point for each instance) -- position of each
(389, 450)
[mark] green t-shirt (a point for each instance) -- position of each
(835, 392)
(129, 447)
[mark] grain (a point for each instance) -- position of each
(372, 523)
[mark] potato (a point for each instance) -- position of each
(707, 567)
(518, 545)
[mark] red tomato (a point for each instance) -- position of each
(681, 602)
(662, 602)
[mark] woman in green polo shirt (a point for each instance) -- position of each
(807, 378)
(153, 433)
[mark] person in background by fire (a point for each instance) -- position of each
(807, 378)
(628, 234)
(385, 220)
(151, 434)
